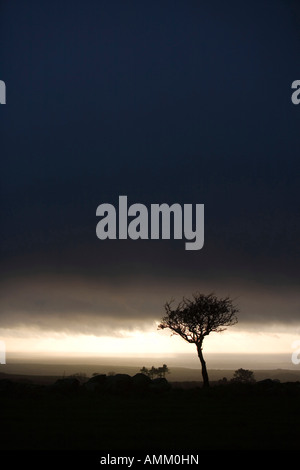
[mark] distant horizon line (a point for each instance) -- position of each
(134, 355)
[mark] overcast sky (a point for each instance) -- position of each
(186, 102)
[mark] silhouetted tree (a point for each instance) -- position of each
(197, 318)
(153, 372)
(243, 376)
(149, 372)
(145, 371)
(160, 371)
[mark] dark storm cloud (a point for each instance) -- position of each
(103, 307)
(173, 102)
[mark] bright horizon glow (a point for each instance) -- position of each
(29, 341)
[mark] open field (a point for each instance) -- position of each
(229, 417)
(186, 418)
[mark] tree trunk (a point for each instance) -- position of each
(203, 365)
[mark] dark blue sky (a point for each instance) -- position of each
(163, 101)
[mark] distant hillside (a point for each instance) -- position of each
(48, 373)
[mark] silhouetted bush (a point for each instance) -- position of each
(140, 382)
(160, 385)
(95, 383)
(118, 384)
(243, 376)
(66, 386)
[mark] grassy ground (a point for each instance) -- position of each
(177, 420)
